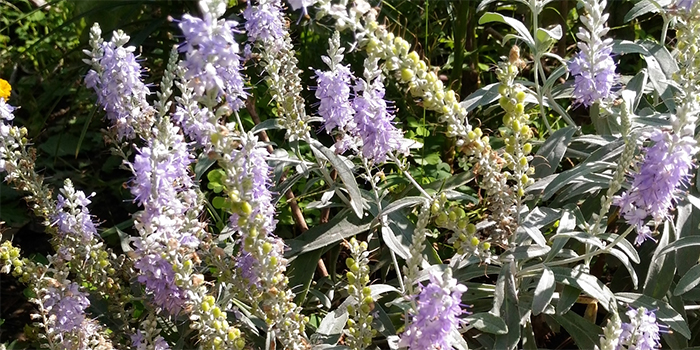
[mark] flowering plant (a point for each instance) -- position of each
(509, 247)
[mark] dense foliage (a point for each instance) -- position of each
(305, 174)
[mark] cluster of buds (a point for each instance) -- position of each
(625, 161)
(464, 238)
(688, 47)
(517, 132)
(245, 183)
(61, 303)
(494, 181)
(17, 160)
(360, 331)
(415, 260)
(423, 83)
(14, 263)
(214, 330)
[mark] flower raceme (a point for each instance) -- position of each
(116, 78)
(666, 166)
(436, 315)
(366, 118)
(593, 67)
(211, 60)
(642, 332)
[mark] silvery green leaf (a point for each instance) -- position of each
(544, 291)
(487, 323)
(519, 27)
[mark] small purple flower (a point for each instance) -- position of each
(436, 315)
(665, 168)
(264, 22)
(593, 76)
(158, 276)
(247, 266)
(212, 61)
(6, 110)
(685, 4)
(67, 304)
(334, 93)
(642, 332)
(118, 84)
(374, 122)
(195, 121)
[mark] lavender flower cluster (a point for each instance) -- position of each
(116, 78)
(436, 316)
(666, 167)
(212, 64)
(593, 67)
(366, 118)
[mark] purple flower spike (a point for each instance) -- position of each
(642, 332)
(158, 276)
(212, 61)
(67, 304)
(436, 315)
(374, 122)
(334, 93)
(665, 168)
(593, 76)
(116, 78)
(264, 22)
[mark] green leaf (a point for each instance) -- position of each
(523, 32)
(567, 299)
(544, 291)
(511, 315)
(394, 243)
(688, 281)
(544, 35)
(487, 323)
(60, 145)
(664, 312)
(551, 152)
(586, 335)
(662, 268)
(685, 242)
(636, 85)
(402, 203)
(332, 326)
(583, 237)
(301, 272)
(568, 177)
(270, 124)
(687, 222)
(586, 283)
(344, 173)
(482, 97)
(203, 164)
(525, 252)
(324, 235)
(645, 6)
(218, 202)
(628, 265)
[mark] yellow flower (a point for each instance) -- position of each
(5, 89)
